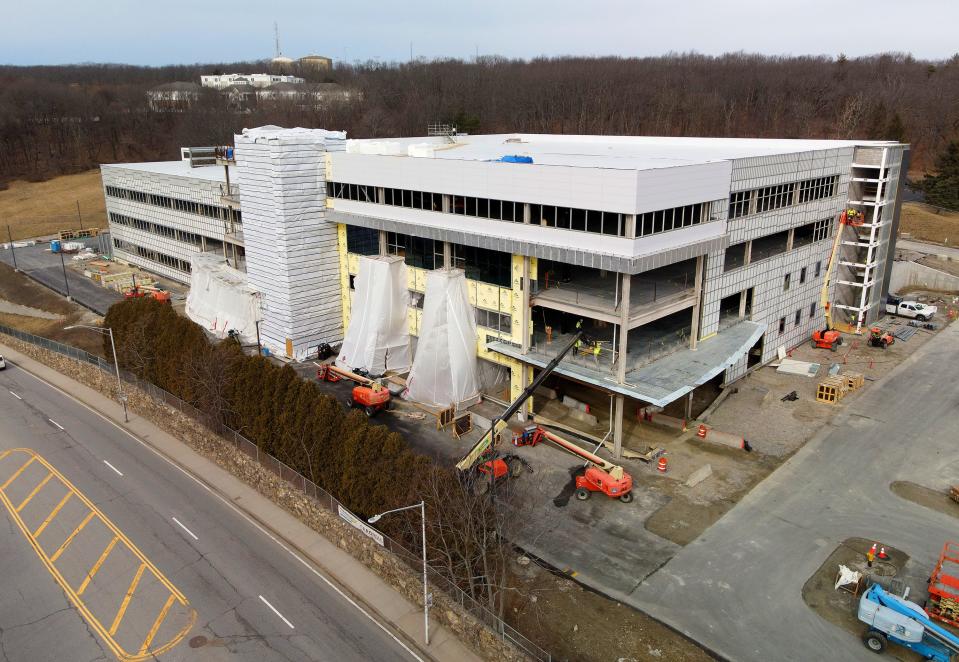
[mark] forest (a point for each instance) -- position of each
(62, 119)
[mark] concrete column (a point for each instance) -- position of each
(753, 196)
(381, 195)
(626, 280)
(527, 214)
(697, 302)
(630, 229)
(384, 249)
(749, 253)
(618, 425)
(447, 255)
(742, 303)
(789, 238)
(524, 309)
(689, 405)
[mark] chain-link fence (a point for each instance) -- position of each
(320, 497)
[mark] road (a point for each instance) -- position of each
(737, 589)
(44, 267)
(152, 536)
(927, 248)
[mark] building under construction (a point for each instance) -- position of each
(685, 261)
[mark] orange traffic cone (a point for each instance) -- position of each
(882, 553)
(701, 432)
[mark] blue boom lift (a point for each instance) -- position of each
(895, 619)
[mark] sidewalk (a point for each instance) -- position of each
(349, 575)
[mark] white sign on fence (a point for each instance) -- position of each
(360, 525)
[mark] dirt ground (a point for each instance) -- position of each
(947, 265)
(582, 625)
(37, 209)
(924, 496)
(45, 313)
(922, 222)
(840, 607)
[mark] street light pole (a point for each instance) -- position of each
(426, 596)
(13, 253)
(116, 364)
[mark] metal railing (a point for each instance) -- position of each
(319, 496)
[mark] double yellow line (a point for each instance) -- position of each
(146, 649)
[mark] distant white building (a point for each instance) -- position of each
(173, 97)
(223, 81)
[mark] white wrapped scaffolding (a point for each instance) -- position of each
(444, 371)
(220, 298)
(378, 338)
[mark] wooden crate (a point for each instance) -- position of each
(854, 380)
(832, 390)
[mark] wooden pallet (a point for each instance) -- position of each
(831, 390)
(78, 234)
(854, 380)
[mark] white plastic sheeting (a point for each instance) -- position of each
(220, 298)
(444, 371)
(378, 337)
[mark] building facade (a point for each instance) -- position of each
(223, 81)
(685, 261)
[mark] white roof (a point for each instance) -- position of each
(177, 168)
(618, 152)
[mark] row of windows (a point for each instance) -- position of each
(565, 218)
(150, 254)
(797, 318)
(199, 208)
(671, 219)
(156, 228)
(774, 244)
(802, 276)
(480, 264)
(768, 198)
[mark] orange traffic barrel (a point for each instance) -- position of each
(661, 465)
(701, 432)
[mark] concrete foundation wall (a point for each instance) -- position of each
(906, 274)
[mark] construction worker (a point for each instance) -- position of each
(596, 350)
(579, 324)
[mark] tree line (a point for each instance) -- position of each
(367, 467)
(62, 119)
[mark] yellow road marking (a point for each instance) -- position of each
(53, 513)
(126, 600)
(19, 471)
(4, 454)
(62, 548)
(156, 625)
(23, 504)
(96, 566)
(72, 595)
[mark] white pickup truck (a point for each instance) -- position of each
(914, 309)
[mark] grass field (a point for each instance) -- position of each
(924, 224)
(36, 209)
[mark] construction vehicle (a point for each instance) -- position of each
(943, 587)
(919, 311)
(482, 464)
(879, 338)
(600, 475)
(897, 620)
(828, 337)
(369, 395)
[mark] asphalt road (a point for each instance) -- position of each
(927, 248)
(45, 267)
(243, 596)
(737, 589)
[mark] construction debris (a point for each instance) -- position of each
(698, 476)
(792, 396)
(904, 333)
(802, 368)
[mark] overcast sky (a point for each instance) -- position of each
(184, 31)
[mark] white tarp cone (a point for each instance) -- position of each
(378, 338)
(444, 370)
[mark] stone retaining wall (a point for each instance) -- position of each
(483, 641)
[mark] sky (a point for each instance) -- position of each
(186, 31)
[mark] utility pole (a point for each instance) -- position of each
(66, 282)
(13, 253)
(79, 217)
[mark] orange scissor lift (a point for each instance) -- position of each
(944, 586)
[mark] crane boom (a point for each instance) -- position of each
(500, 422)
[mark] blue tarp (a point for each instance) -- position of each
(516, 158)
